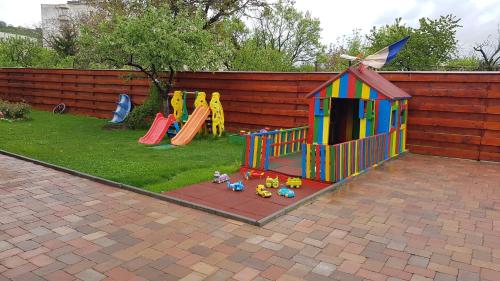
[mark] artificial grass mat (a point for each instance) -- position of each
(81, 143)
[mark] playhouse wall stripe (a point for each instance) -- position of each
(343, 85)
(351, 86)
(365, 92)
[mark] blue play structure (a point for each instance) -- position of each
(122, 109)
(173, 129)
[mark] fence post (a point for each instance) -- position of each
(268, 153)
(304, 159)
(263, 152)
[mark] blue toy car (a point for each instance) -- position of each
(288, 193)
(237, 186)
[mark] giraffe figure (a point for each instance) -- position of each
(177, 105)
(217, 115)
(201, 99)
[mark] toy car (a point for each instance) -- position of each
(220, 178)
(294, 182)
(253, 174)
(274, 183)
(237, 186)
(288, 193)
(262, 192)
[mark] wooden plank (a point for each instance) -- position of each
(491, 138)
(444, 151)
(457, 123)
(440, 137)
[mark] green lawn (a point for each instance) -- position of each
(81, 143)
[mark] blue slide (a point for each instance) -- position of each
(122, 109)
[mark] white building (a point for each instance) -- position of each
(55, 15)
(5, 35)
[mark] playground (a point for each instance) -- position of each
(356, 121)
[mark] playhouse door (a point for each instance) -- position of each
(343, 124)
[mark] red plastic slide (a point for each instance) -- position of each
(158, 129)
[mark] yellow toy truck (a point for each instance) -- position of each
(294, 182)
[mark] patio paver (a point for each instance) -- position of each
(412, 218)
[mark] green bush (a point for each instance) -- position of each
(17, 110)
(142, 116)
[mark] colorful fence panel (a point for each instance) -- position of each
(259, 147)
(334, 163)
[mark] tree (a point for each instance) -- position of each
(470, 63)
(430, 45)
(64, 42)
(353, 45)
(212, 11)
(295, 34)
(25, 52)
(251, 57)
(490, 53)
(154, 41)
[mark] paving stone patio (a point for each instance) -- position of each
(414, 218)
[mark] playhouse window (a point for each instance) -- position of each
(322, 108)
(369, 109)
(394, 119)
(403, 116)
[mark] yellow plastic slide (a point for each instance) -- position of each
(192, 126)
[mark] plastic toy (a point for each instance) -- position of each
(158, 129)
(174, 129)
(274, 183)
(262, 192)
(237, 186)
(285, 192)
(217, 115)
(199, 118)
(201, 99)
(177, 105)
(253, 174)
(193, 125)
(220, 178)
(59, 108)
(294, 182)
(123, 107)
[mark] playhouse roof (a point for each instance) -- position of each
(372, 79)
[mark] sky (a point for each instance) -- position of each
(480, 18)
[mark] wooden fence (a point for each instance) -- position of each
(337, 162)
(453, 114)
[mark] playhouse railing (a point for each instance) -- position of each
(259, 147)
(334, 163)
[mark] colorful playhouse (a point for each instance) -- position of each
(357, 120)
